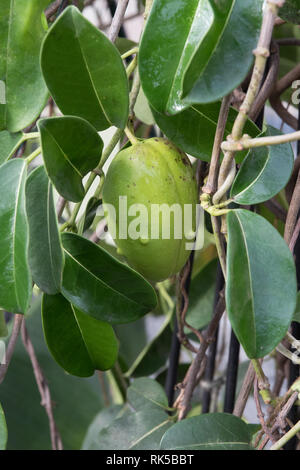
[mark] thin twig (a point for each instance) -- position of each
(196, 368)
(18, 320)
(293, 212)
(244, 392)
(283, 84)
(260, 414)
(44, 390)
(117, 20)
(268, 85)
(211, 184)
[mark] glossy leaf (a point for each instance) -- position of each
(21, 34)
(15, 279)
(236, 29)
(3, 430)
(71, 148)
(162, 67)
(79, 343)
(102, 286)
(84, 71)
(155, 353)
(45, 250)
(8, 144)
(263, 173)
(123, 45)
(101, 421)
(296, 316)
(193, 130)
(144, 393)
(136, 431)
(201, 297)
(89, 214)
(212, 431)
(290, 11)
(204, 35)
(75, 400)
(261, 283)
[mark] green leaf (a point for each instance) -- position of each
(296, 316)
(235, 29)
(263, 173)
(100, 285)
(89, 214)
(291, 11)
(136, 431)
(123, 45)
(155, 353)
(212, 431)
(71, 148)
(15, 279)
(84, 71)
(193, 130)
(201, 297)
(144, 393)
(101, 421)
(261, 283)
(79, 343)
(162, 67)
(45, 250)
(8, 144)
(142, 109)
(204, 35)
(76, 401)
(3, 430)
(21, 34)
(3, 327)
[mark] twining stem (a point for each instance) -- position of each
(262, 53)
(132, 51)
(131, 137)
(248, 143)
(287, 437)
(33, 155)
(211, 183)
(117, 20)
(263, 382)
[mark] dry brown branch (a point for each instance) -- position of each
(43, 387)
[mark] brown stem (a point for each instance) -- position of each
(117, 20)
(43, 389)
(244, 392)
(18, 320)
(268, 85)
(211, 184)
(196, 368)
(283, 84)
(292, 212)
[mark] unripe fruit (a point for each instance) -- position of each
(152, 172)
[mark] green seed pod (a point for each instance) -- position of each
(152, 187)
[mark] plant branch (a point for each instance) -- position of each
(211, 184)
(43, 389)
(18, 320)
(196, 368)
(244, 392)
(247, 143)
(117, 20)
(289, 435)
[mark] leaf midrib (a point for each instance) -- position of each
(107, 286)
(250, 277)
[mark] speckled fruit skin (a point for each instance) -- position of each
(152, 171)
